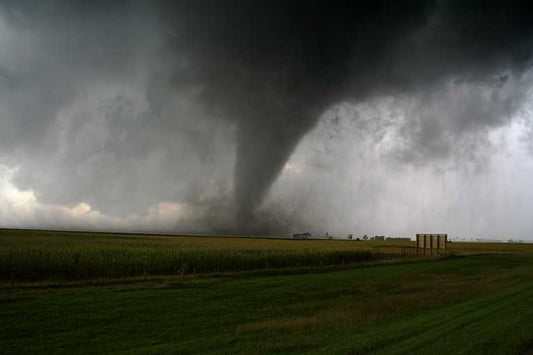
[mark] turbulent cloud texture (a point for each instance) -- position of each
(267, 116)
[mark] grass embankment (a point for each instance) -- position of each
(460, 305)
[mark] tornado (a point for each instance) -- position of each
(273, 67)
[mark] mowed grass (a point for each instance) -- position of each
(474, 247)
(460, 305)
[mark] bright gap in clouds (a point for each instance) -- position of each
(20, 208)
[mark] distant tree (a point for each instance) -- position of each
(365, 237)
(350, 236)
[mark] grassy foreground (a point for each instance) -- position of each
(459, 305)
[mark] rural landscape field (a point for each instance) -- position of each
(81, 292)
(254, 177)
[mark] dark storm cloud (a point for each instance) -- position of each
(275, 66)
(74, 115)
(56, 47)
(123, 104)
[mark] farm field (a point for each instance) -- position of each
(53, 256)
(480, 303)
(42, 256)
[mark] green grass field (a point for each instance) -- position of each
(480, 303)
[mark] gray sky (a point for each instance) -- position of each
(268, 117)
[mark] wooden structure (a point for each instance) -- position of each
(431, 244)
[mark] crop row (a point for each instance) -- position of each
(24, 264)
